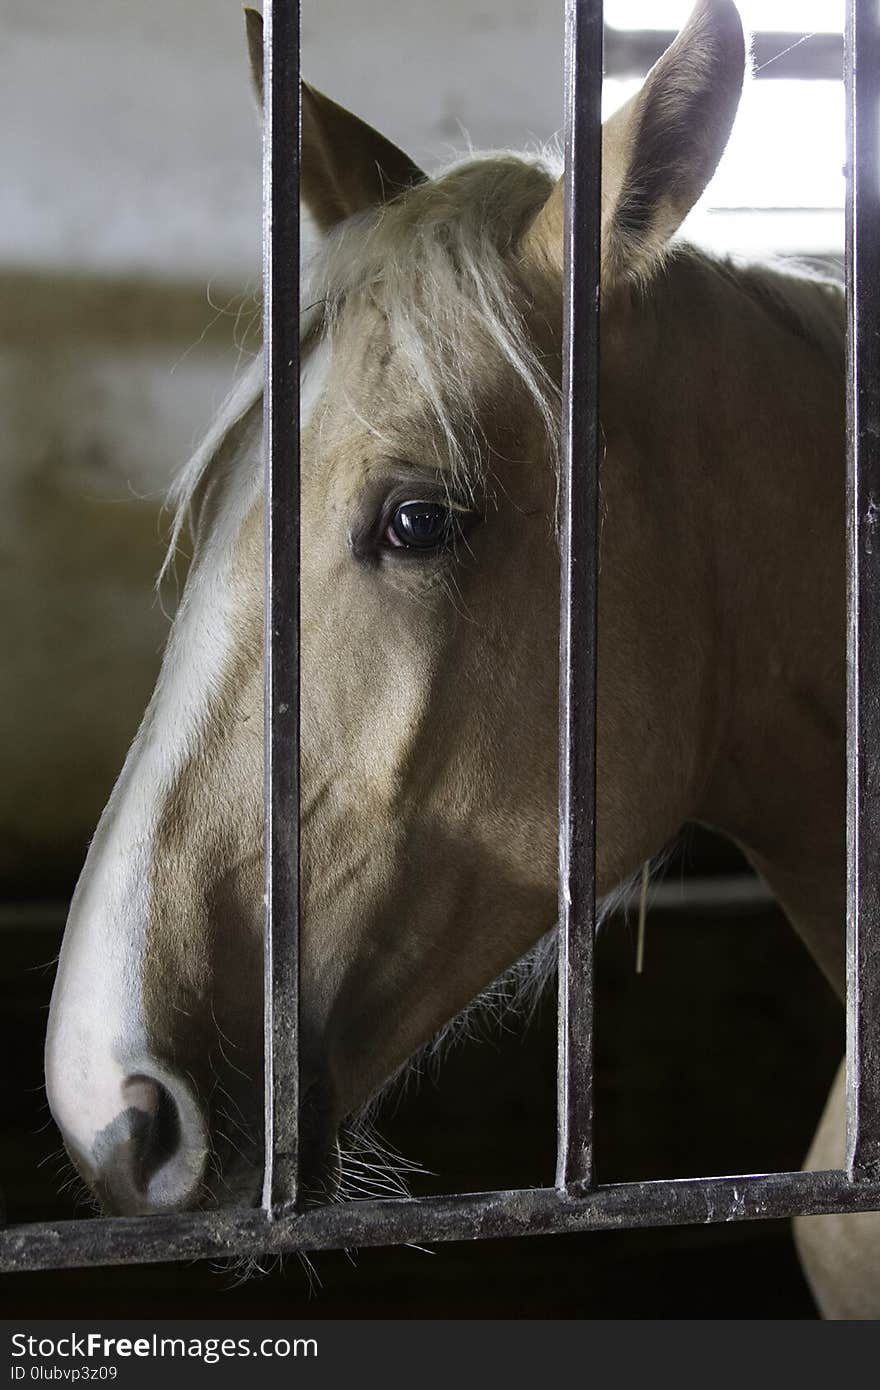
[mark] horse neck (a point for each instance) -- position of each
(761, 458)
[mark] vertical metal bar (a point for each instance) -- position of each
(863, 574)
(281, 254)
(579, 540)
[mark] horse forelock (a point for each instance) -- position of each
(440, 265)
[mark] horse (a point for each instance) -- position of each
(431, 384)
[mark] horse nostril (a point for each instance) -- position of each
(152, 1154)
(155, 1126)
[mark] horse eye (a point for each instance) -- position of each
(419, 526)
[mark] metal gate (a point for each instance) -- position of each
(576, 1202)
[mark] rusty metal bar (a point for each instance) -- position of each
(863, 583)
(281, 332)
(469, 1216)
(579, 544)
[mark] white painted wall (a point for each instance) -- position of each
(129, 140)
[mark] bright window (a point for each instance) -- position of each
(795, 16)
(780, 186)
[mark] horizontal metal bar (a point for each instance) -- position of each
(805, 57)
(738, 893)
(34, 916)
(399, 1221)
(690, 894)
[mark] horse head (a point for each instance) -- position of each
(431, 382)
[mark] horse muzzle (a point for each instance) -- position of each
(140, 1141)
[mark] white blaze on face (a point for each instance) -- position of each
(97, 1037)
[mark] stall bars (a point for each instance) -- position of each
(576, 1203)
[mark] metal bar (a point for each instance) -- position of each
(579, 544)
(281, 324)
(805, 57)
(472, 1216)
(863, 583)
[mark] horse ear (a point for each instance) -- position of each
(660, 150)
(346, 164)
(253, 22)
